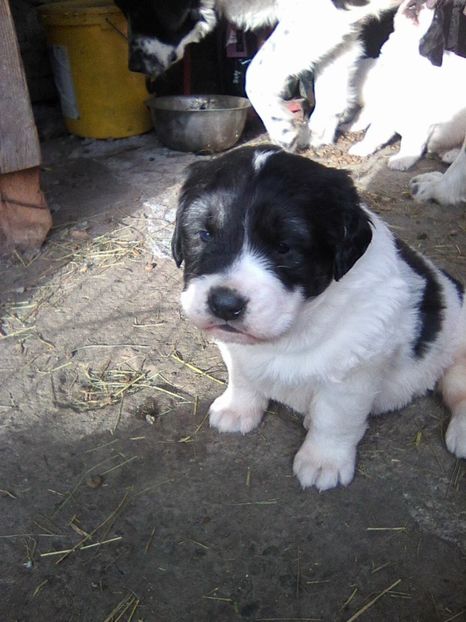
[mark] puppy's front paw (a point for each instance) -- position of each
(229, 416)
(455, 437)
(324, 467)
(361, 149)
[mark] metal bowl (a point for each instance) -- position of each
(199, 123)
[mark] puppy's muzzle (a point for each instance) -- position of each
(226, 303)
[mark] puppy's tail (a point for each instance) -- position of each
(453, 387)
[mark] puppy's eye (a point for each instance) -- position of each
(283, 248)
(204, 235)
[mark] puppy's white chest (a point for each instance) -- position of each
(290, 379)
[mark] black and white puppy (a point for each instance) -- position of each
(315, 304)
(322, 36)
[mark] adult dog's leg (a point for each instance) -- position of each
(266, 78)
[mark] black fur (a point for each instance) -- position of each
(167, 20)
(458, 285)
(302, 218)
(346, 4)
(375, 32)
(446, 33)
(431, 305)
(432, 44)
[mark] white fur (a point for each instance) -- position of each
(405, 94)
(448, 188)
(335, 358)
(249, 276)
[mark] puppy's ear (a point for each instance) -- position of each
(355, 237)
(177, 243)
(432, 44)
(193, 186)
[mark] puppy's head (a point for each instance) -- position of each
(160, 30)
(261, 232)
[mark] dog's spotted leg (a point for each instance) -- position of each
(240, 408)
(266, 79)
(336, 423)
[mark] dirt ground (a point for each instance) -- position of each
(119, 503)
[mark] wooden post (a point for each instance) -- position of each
(24, 217)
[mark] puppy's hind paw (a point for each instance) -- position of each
(323, 468)
(455, 437)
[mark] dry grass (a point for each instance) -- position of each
(124, 610)
(103, 251)
(94, 388)
(64, 257)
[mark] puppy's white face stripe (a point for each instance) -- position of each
(270, 310)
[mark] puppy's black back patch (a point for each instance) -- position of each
(458, 285)
(431, 304)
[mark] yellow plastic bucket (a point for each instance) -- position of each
(100, 97)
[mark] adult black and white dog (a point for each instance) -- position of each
(314, 303)
(321, 36)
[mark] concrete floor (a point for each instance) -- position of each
(118, 502)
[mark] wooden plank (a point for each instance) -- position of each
(24, 216)
(19, 143)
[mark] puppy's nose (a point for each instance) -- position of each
(226, 304)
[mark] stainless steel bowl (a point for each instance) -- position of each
(199, 123)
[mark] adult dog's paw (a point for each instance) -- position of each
(324, 467)
(233, 417)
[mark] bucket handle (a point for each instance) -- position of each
(116, 29)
